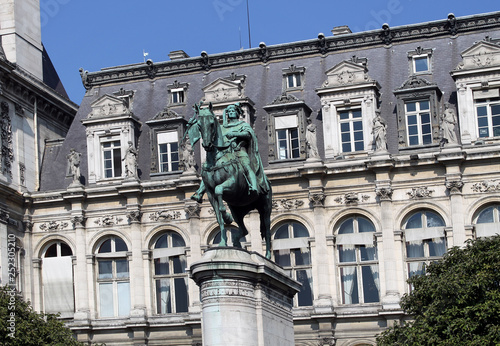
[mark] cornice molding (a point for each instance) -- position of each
(332, 44)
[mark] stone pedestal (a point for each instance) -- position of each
(246, 299)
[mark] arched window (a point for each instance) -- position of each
(113, 279)
(291, 251)
(487, 221)
(358, 261)
(230, 232)
(57, 279)
(425, 240)
(170, 278)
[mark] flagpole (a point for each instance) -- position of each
(248, 21)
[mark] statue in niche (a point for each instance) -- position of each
(311, 140)
(188, 156)
(74, 159)
(448, 124)
(130, 159)
(379, 133)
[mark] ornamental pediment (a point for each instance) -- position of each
(345, 73)
(479, 55)
(109, 106)
(223, 89)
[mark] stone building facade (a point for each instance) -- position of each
(35, 112)
(382, 148)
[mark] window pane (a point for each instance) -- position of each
(122, 269)
(161, 266)
(356, 113)
(437, 247)
(106, 304)
(349, 280)
(344, 127)
(282, 232)
(424, 105)
(359, 146)
(65, 250)
(302, 256)
(346, 147)
(368, 253)
(357, 125)
(415, 221)
(163, 304)
(434, 220)
(412, 130)
(179, 263)
(411, 107)
(123, 298)
(117, 162)
(414, 249)
(181, 296)
(346, 137)
(51, 251)
(297, 80)
(365, 225)
(414, 140)
(347, 253)
(105, 269)
(343, 115)
(421, 64)
(486, 216)
(482, 111)
(427, 139)
(282, 257)
(299, 231)
(305, 296)
(415, 268)
(177, 240)
(105, 247)
(347, 226)
(120, 245)
(162, 242)
(290, 81)
(370, 283)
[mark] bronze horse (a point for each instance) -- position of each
(224, 178)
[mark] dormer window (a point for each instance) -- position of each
(177, 93)
(420, 61)
(293, 78)
(111, 156)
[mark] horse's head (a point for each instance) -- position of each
(207, 126)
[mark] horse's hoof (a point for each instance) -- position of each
(223, 243)
(196, 197)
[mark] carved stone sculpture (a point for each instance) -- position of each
(448, 124)
(311, 142)
(379, 133)
(130, 161)
(74, 159)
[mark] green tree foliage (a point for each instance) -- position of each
(20, 325)
(457, 301)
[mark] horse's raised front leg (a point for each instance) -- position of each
(219, 191)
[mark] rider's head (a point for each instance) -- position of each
(232, 112)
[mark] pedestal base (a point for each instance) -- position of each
(246, 299)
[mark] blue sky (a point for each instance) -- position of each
(94, 34)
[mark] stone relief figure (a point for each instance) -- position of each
(448, 124)
(379, 133)
(188, 156)
(311, 140)
(130, 161)
(74, 159)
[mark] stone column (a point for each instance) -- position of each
(246, 299)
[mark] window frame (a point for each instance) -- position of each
(418, 113)
(181, 90)
(112, 140)
(350, 121)
(180, 251)
(359, 263)
(293, 268)
(487, 103)
(489, 228)
(169, 153)
(417, 54)
(112, 256)
(297, 75)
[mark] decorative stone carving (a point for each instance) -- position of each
(419, 192)
(151, 69)
(263, 52)
(109, 106)
(486, 186)
(322, 46)
(74, 159)
(7, 151)
(205, 61)
(287, 203)
(386, 35)
(22, 171)
(225, 89)
(192, 210)
(454, 186)
(108, 220)
(78, 221)
(53, 226)
(166, 113)
(317, 198)
(351, 198)
(384, 193)
(4, 216)
(284, 98)
(165, 215)
(451, 24)
(85, 79)
(448, 124)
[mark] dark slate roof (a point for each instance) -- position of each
(387, 64)
(50, 76)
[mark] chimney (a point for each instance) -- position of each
(177, 55)
(341, 30)
(22, 34)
